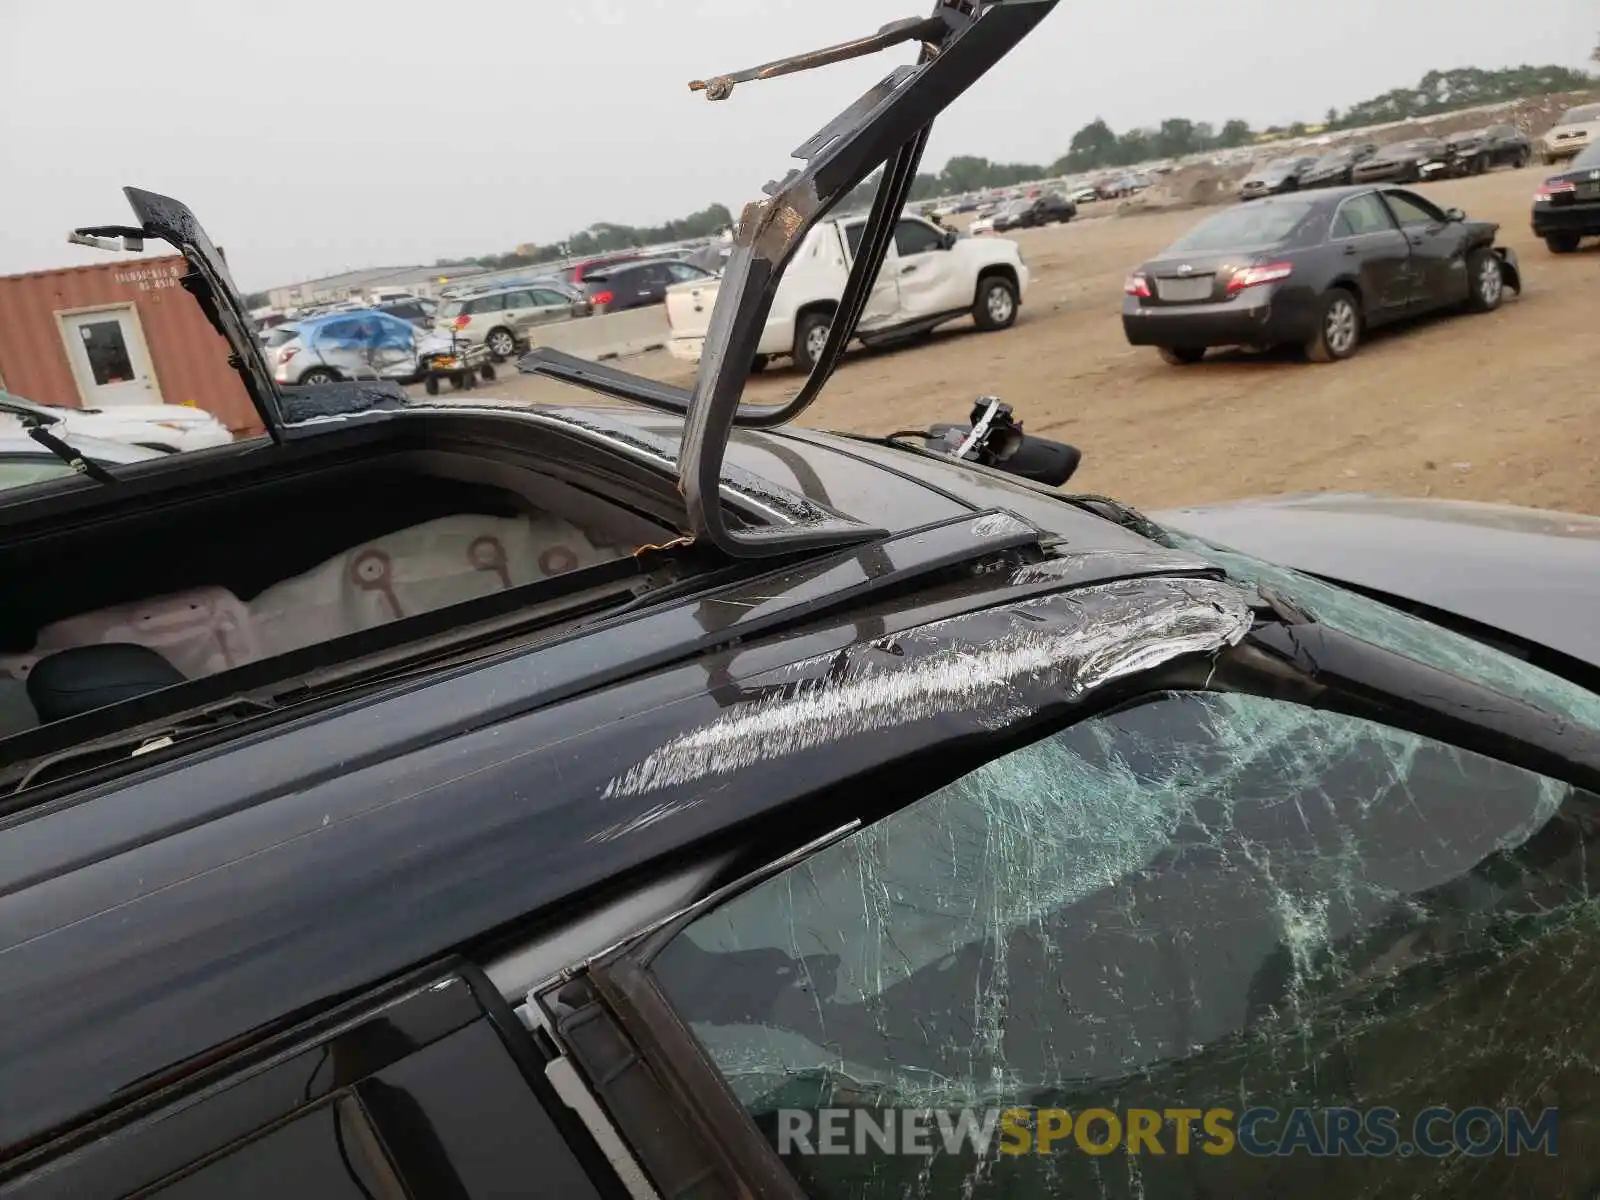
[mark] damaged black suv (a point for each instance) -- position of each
(468, 800)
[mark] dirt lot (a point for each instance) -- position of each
(1504, 406)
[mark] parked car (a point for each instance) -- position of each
(1047, 209)
(166, 428)
(1403, 162)
(1576, 129)
(416, 309)
(1278, 176)
(1334, 169)
(931, 276)
(582, 801)
(24, 461)
(365, 344)
(578, 273)
(1479, 150)
(503, 318)
(1318, 270)
(1566, 208)
(638, 284)
(1084, 195)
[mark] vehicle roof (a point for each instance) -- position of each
(633, 265)
(245, 881)
(1328, 197)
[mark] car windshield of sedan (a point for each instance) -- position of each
(1264, 223)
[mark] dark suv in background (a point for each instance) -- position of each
(637, 284)
(1032, 213)
(1479, 150)
(1336, 168)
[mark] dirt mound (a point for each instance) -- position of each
(1187, 187)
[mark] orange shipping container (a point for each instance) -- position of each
(122, 332)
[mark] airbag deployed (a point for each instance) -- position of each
(430, 566)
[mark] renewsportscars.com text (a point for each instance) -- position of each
(1258, 1131)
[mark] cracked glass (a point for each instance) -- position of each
(1200, 901)
(1400, 632)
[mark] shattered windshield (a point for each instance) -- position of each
(1402, 633)
(1204, 904)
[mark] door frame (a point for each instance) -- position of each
(86, 384)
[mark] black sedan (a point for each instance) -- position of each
(1334, 169)
(1031, 213)
(1566, 208)
(1479, 150)
(1404, 162)
(591, 803)
(1279, 175)
(1315, 270)
(637, 284)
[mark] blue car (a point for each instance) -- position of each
(365, 344)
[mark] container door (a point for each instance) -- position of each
(109, 358)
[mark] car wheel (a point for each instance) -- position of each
(1522, 159)
(810, 337)
(317, 375)
(1562, 243)
(996, 304)
(486, 372)
(1488, 281)
(1181, 356)
(501, 344)
(1548, 159)
(431, 385)
(1338, 328)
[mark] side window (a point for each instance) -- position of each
(1360, 215)
(547, 299)
(331, 1153)
(339, 331)
(913, 237)
(486, 304)
(1412, 210)
(423, 1097)
(1205, 902)
(852, 237)
(683, 273)
(22, 469)
(518, 300)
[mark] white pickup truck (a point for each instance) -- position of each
(930, 276)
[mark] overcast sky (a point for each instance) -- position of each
(315, 137)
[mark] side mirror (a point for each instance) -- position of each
(1454, 214)
(949, 239)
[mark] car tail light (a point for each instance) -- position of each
(285, 355)
(1255, 276)
(463, 321)
(1554, 187)
(603, 298)
(1137, 285)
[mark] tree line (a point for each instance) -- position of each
(1097, 146)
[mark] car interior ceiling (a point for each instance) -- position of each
(114, 610)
